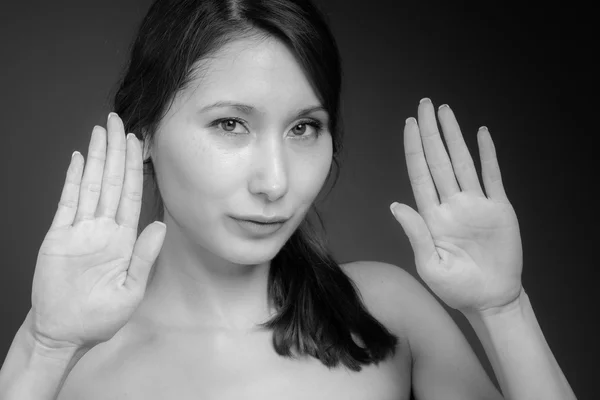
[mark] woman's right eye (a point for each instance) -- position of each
(228, 125)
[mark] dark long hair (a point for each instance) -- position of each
(319, 308)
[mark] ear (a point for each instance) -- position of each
(145, 150)
(145, 147)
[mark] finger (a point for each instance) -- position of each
(91, 183)
(490, 170)
(114, 169)
(435, 152)
(131, 196)
(462, 163)
(417, 232)
(418, 172)
(67, 205)
(146, 250)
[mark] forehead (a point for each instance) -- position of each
(262, 72)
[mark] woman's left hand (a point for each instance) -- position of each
(467, 247)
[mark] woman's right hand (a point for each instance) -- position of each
(91, 272)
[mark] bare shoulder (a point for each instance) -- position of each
(379, 274)
(393, 295)
(443, 362)
(383, 282)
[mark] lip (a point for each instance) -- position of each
(256, 228)
(261, 219)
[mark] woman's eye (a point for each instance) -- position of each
(228, 125)
(315, 125)
(299, 131)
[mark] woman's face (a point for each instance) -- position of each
(214, 163)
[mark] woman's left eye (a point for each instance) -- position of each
(227, 125)
(316, 125)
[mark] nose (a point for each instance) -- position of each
(269, 174)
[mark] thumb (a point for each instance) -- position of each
(417, 231)
(146, 250)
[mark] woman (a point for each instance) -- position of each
(236, 108)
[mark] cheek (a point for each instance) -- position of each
(198, 172)
(217, 171)
(312, 172)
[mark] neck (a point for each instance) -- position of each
(190, 287)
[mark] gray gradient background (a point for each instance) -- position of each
(524, 74)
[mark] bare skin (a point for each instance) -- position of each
(188, 330)
(146, 361)
(192, 335)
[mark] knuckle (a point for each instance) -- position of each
(66, 203)
(93, 187)
(134, 195)
(464, 166)
(72, 182)
(135, 167)
(139, 258)
(455, 139)
(440, 166)
(113, 180)
(97, 155)
(120, 148)
(84, 218)
(420, 180)
(414, 153)
(434, 134)
(110, 210)
(494, 177)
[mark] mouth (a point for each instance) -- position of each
(258, 228)
(262, 223)
(262, 220)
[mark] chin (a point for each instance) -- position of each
(252, 253)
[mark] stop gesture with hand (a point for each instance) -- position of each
(92, 269)
(467, 244)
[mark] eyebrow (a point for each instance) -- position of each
(249, 110)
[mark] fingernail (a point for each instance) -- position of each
(425, 99)
(443, 105)
(483, 128)
(112, 114)
(410, 120)
(130, 136)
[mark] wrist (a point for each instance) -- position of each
(44, 353)
(33, 370)
(47, 350)
(515, 306)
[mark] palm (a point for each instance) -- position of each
(86, 265)
(92, 269)
(467, 245)
(480, 240)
